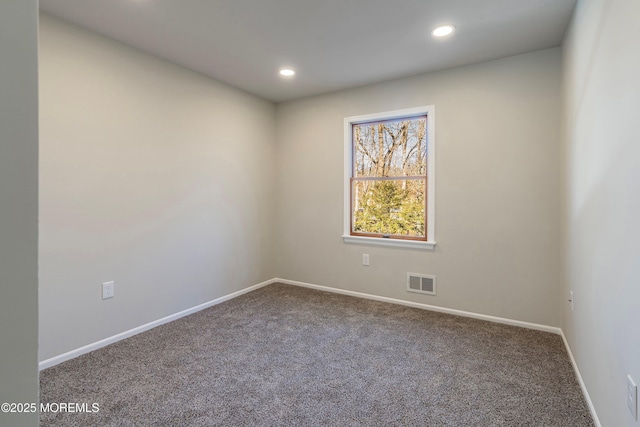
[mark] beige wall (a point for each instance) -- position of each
(151, 175)
(19, 208)
(498, 170)
(601, 69)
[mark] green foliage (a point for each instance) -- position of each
(388, 207)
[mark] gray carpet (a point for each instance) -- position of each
(289, 356)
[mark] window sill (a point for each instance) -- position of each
(397, 243)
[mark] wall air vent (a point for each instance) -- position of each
(421, 283)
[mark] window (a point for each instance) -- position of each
(389, 178)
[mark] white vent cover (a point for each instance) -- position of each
(421, 283)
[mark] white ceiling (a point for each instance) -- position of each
(332, 44)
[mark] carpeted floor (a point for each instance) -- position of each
(289, 356)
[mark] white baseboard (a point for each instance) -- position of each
(494, 319)
(131, 332)
(585, 392)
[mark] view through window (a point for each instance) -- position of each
(389, 178)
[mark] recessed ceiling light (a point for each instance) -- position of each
(287, 72)
(443, 30)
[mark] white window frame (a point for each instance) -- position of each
(429, 111)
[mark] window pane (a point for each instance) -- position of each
(393, 207)
(390, 148)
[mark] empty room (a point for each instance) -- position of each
(286, 212)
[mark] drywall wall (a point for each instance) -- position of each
(601, 69)
(153, 176)
(498, 129)
(19, 201)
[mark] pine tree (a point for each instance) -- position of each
(387, 208)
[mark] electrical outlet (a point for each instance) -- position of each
(632, 397)
(365, 259)
(571, 299)
(108, 289)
